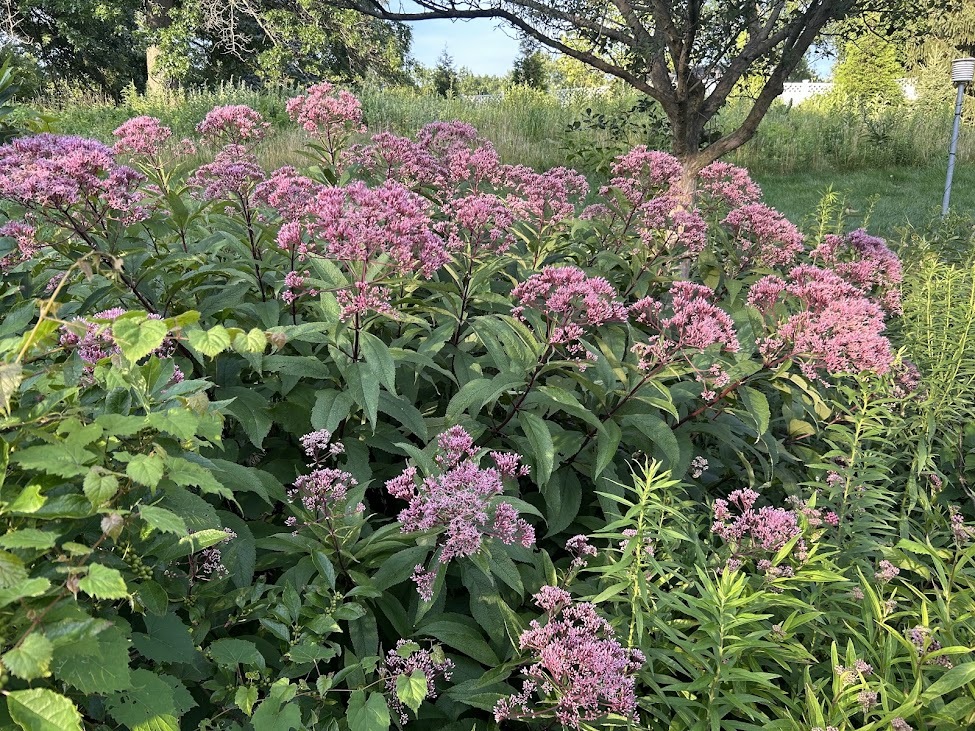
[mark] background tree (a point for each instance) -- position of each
(445, 78)
(689, 55)
(867, 74)
(530, 67)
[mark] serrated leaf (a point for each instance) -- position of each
(148, 701)
(231, 652)
(31, 659)
(12, 570)
(145, 469)
(11, 376)
(98, 664)
(368, 713)
(251, 410)
(757, 406)
(99, 486)
(164, 521)
(63, 460)
(40, 709)
(376, 354)
(181, 423)
(210, 342)
(168, 640)
(28, 502)
(253, 341)
(186, 473)
(103, 582)
(412, 689)
(22, 590)
(245, 698)
(28, 538)
(136, 337)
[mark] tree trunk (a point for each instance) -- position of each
(158, 19)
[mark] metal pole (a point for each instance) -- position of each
(953, 150)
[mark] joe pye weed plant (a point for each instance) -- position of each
(409, 436)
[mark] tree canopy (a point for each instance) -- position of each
(689, 55)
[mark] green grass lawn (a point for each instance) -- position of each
(889, 198)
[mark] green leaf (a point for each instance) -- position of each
(11, 376)
(98, 664)
(168, 640)
(308, 652)
(952, 680)
(277, 713)
(481, 391)
(40, 709)
(12, 570)
(757, 406)
(137, 336)
(230, 652)
(462, 638)
(28, 588)
(99, 486)
(148, 704)
(377, 355)
(162, 520)
(186, 473)
(63, 460)
(607, 443)
(660, 434)
(145, 469)
(31, 659)
(251, 410)
(540, 439)
(28, 502)
(330, 408)
(368, 713)
(412, 689)
(209, 342)
(253, 341)
(28, 538)
(181, 423)
(245, 698)
(103, 582)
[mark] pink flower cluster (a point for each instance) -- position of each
(70, 181)
(235, 124)
(25, 238)
(581, 549)
(580, 671)
(374, 232)
(233, 174)
(571, 304)
(462, 501)
(764, 236)
(143, 136)
(288, 192)
(694, 324)
(836, 328)
(211, 566)
(666, 226)
(642, 174)
(405, 659)
(722, 184)
(544, 199)
(752, 532)
(867, 263)
(331, 116)
(479, 224)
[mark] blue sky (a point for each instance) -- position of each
(482, 45)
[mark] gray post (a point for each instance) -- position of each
(953, 149)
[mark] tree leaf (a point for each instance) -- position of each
(12, 570)
(368, 713)
(98, 664)
(164, 521)
(146, 469)
(231, 652)
(137, 336)
(168, 640)
(31, 659)
(209, 342)
(103, 582)
(412, 689)
(147, 704)
(99, 486)
(28, 538)
(41, 709)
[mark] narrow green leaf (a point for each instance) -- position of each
(540, 439)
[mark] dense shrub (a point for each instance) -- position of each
(413, 436)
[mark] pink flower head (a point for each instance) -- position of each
(727, 185)
(867, 263)
(322, 495)
(579, 671)
(143, 136)
(233, 174)
(642, 173)
(581, 550)
(481, 223)
(664, 223)
(751, 532)
(48, 174)
(25, 238)
(543, 199)
(570, 302)
(235, 124)
(461, 501)
(695, 324)
(764, 236)
(332, 117)
(442, 138)
(288, 192)
(376, 232)
(389, 157)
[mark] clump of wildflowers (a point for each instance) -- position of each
(331, 116)
(751, 532)
(886, 572)
(462, 502)
(406, 658)
(322, 494)
(141, 136)
(763, 236)
(571, 303)
(867, 263)
(25, 238)
(962, 533)
(695, 323)
(543, 200)
(72, 182)
(642, 174)
(723, 185)
(235, 124)
(211, 566)
(581, 549)
(829, 324)
(288, 192)
(234, 174)
(579, 672)
(925, 644)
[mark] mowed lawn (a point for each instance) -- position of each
(889, 199)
